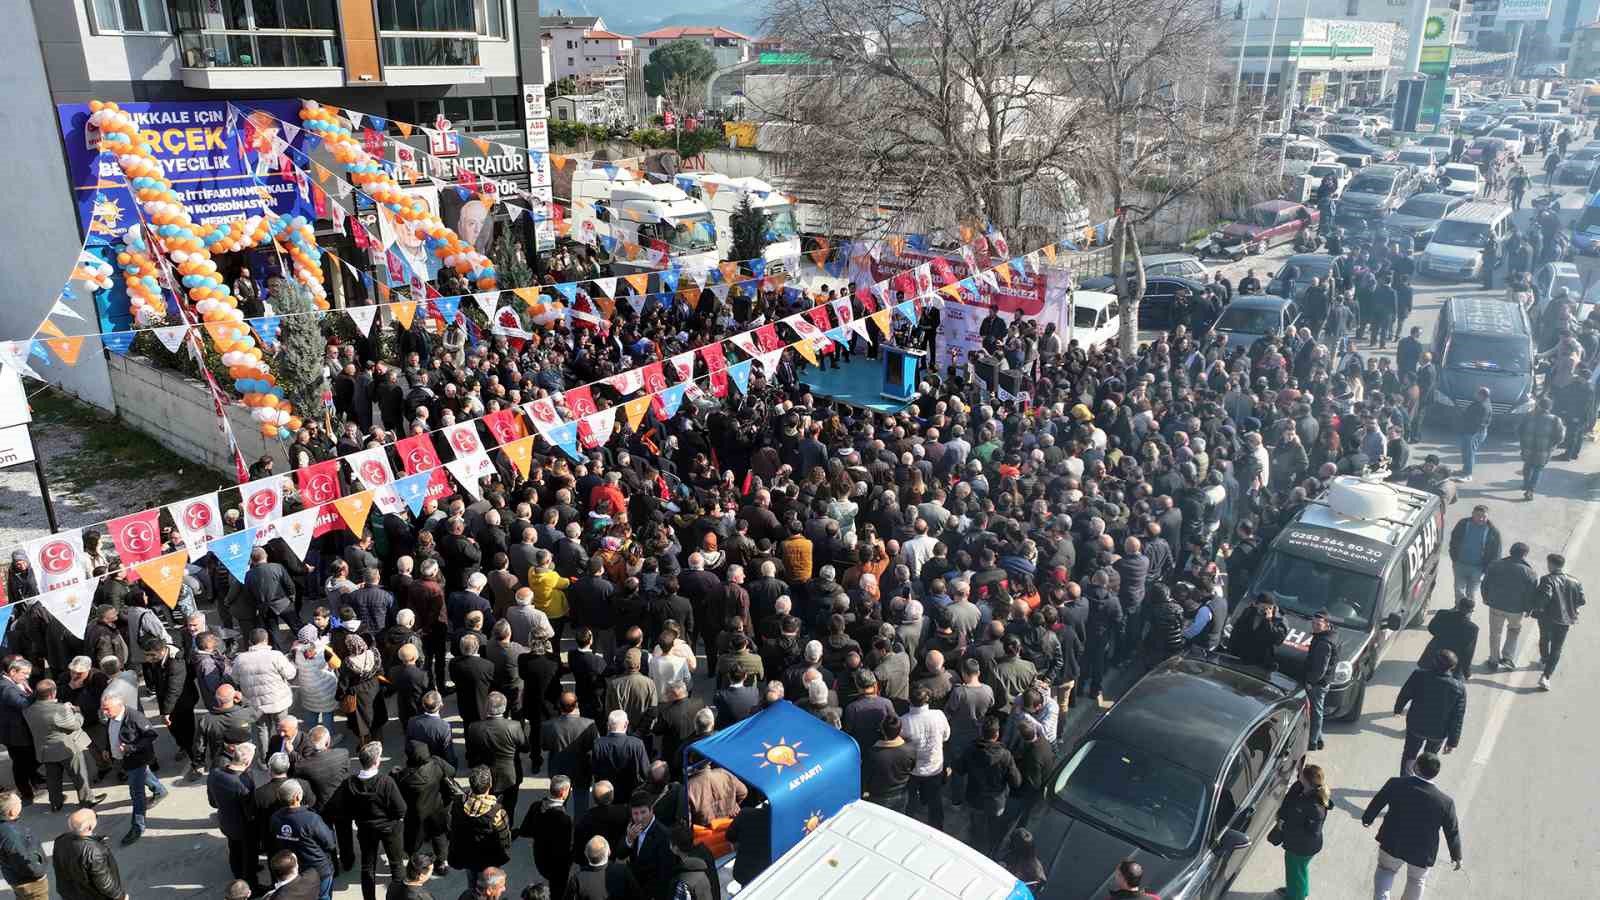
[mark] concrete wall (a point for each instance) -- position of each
(39, 229)
(177, 412)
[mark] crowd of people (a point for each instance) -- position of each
(942, 584)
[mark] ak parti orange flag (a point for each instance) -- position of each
(353, 509)
(520, 452)
(164, 575)
(404, 311)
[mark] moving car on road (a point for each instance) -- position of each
(1461, 180)
(1580, 167)
(1413, 224)
(1456, 249)
(1484, 342)
(1188, 807)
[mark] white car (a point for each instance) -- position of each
(1340, 172)
(1461, 180)
(1347, 125)
(1095, 318)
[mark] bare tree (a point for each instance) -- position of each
(1163, 131)
(928, 112)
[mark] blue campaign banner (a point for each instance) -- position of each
(215, 163)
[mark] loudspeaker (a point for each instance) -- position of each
(1012, 381)
(988, 373)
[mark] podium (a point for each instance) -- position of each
(900, 372)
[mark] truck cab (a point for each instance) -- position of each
(638, 214)
(723, 195)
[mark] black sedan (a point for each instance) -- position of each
(1184, 774)
(1158, 309)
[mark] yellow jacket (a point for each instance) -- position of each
(549, 595)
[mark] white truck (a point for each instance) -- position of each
(723, 194)
(639, 214)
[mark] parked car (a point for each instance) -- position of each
(1580, 167)
(1551, 277)
(1247, 319)
(1341, 173)
(1461, 180)
(1413, 224)
(1183, 264)
(1375, 192)
(1353, 162)
(1422, 160)
(1586, 231)
(1188, 811)
(1511, 137)
(1438, 142)
(1348, 124)
(1272, 222)
(1487, 150)
(1306, 266)
(1355, 143)
(1479, 123)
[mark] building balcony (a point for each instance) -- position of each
(254, 60)
(424, 58)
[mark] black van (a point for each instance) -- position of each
(1367, 551)
(1484, 342)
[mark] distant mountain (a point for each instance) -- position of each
(633, 17)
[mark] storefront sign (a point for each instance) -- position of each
(217, 166)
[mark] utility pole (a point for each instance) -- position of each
(1414, 31)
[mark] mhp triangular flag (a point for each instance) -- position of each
(233, 551)
(413, 489)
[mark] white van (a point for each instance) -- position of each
(865, 852)
(723, 194)
(1095, 319)
(633, 211)
(1456, 250)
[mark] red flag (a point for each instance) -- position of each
(136, 537)
(819, 315)
(941, 268)
(319, 483)
(868, 302)
(654, 378)
(717, 365)
(580, 402)
(905, 284)
(768, 336)
(417, 455)
(505, 425)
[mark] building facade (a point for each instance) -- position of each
(729, 48)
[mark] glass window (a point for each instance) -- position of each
(427, 111)
(457, 110)
(148, 16)
(505, 112)
(1235, 791)
(1304, 586)
(1151, 801)
(491, 18)
(267, 13)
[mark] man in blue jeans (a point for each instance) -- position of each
(1474, 544)
(133, 744)
(1474, 430)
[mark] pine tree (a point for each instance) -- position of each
(749, 226)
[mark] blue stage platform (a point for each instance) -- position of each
(858, 383)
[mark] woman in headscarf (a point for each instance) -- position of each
(360, 691)
(20, 581)
(317, 677)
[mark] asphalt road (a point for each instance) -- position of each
(1525, 808)
(1524, 804)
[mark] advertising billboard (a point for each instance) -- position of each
(217, 163)
(1523, 11)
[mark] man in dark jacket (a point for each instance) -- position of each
(1133, 569)
(373, 801)
(549, 826)
(1509, 588)
(991, 775)
(480, 828)
(1474, 430)
(324, 769)
(498, 743)
(1474, 544)
(1409, 836)
(22, 862)
(1258, 632)
(426, 787)
(85, 868)
(272, 591)
(133, 742)
(300, 830)
(474, 679)
(598, 878)
(16, 694)
(1322, 654)
(1438, 706)
(230, 791)
(1454, 630)
(1557, 603)
(1104, 624)
(566, 742)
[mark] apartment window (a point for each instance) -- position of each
(569, 61)
(429, 32)
(131, 16)
(572, 45)
(257, 33)
(469, 114)
(491, 18)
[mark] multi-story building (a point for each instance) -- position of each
(402, 60)
(730, 48)
(1552, 37)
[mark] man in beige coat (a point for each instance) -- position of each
(60, 742)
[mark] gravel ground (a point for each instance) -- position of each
(98, 469)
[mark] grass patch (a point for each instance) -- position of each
(111, 451)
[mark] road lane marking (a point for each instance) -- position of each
(1500, 707)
